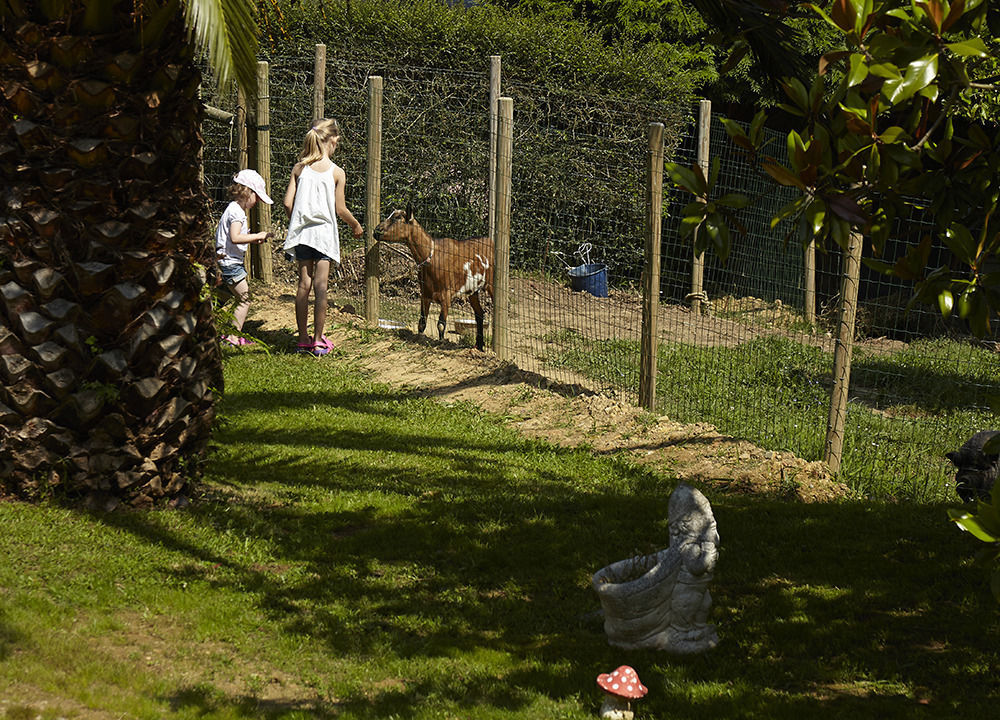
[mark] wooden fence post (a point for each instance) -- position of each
(809, 268)
(834, 447)
(261, 254)
(242, 154)
(494, 95)
(651, 272)
(319, 83)
(373, 198)
(698, 263)
(242, 151)
(501, 233)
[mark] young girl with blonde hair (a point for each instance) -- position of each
(314, 200)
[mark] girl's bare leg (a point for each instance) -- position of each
(321, 279)
(302, 299)
(242, 292)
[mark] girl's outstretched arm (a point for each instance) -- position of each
(290, 192)
(239, 237)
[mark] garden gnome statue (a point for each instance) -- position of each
(622, 688)
(661, 601)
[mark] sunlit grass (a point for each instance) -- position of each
(907, 408)
(356, 552)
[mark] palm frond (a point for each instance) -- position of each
(226, 30)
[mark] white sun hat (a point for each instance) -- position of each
(253, 180)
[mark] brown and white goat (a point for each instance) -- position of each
(446, 268)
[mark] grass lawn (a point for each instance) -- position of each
(360, 553)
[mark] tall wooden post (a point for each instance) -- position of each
(373, 198)
(651, 272)
(242, 153)
(698, 262)
(834, 447)
(809, 299)
(319, 83)
(494, 95)
(261, 254)
(501, 234)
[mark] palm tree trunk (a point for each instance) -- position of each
(109, 361)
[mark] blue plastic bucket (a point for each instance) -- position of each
(592, 278)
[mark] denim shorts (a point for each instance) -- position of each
(232, 274)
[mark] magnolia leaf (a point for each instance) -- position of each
(980, 138)
(713, 173)
(737, 134)
(796, 92)
(989, 517)
(858, 70)
(847, 208)
(968, 522)
(687, 178)
(782, 175)
(966, 301)
(788, 210)
(919, 74)
(695, 209)
(892, 134)
(791, 109)
(757, 127)
(955, 12)
(930, 92)
(816, 215)
(885, 70)
(960, 241)
(934, 10)
(945, 302)
(879, 266)
(734, 200)
(830, 58)
(822, 13)
(973, 47)
(689, 225)
(843, 15)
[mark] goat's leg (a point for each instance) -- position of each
(443, 317)
(425, 306)
(477, 309)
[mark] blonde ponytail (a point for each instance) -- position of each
(319, 134)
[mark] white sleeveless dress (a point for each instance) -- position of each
(314, 213)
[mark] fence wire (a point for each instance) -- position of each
(750, 362)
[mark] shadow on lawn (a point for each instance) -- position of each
(859, 609)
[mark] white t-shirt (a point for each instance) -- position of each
(229, 252)
(314, 213)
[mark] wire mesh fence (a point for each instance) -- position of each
(751, 361)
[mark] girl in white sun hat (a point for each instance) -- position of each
(231, 238)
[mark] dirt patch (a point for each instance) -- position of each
(562, 413)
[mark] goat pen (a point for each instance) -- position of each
(753, 360)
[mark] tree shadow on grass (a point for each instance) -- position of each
(486, 543)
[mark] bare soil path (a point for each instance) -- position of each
(449, 372)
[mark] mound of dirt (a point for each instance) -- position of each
(566, 415)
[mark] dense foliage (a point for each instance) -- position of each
(544, 49)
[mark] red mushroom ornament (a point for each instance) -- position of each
(621, 687)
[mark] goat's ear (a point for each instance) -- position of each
(409, 211)
(953, 456)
